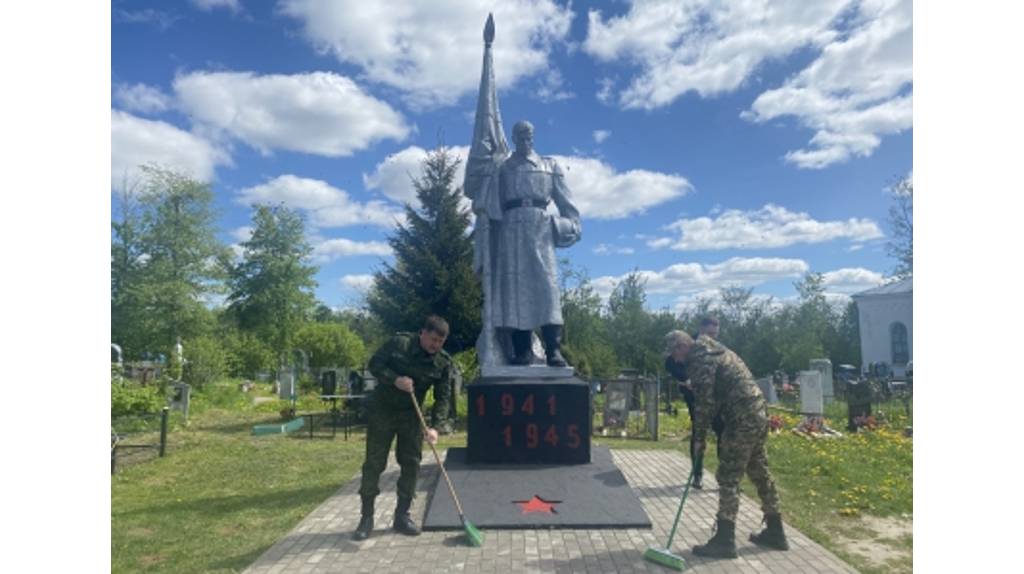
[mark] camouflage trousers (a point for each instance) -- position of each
(382, 428)
(742, 450)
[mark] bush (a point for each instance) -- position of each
(206, 362)
(467, 364)
(248, 355)
(307, 383)
(130, 398)
(330, 345)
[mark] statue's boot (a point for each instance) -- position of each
(553, 345)
(521, 345)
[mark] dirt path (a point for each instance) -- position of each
(883, 544)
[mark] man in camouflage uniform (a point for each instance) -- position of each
(724, 386)
(708, 326)
(405, 364)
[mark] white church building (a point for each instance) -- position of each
(887, 325)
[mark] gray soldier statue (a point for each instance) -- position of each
(527, 279)
(515, 235)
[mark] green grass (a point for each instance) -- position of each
(826, 485)
(222, 497)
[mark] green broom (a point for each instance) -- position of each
(664, 555)
(474, 536)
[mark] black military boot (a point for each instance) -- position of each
(365, 521)
(403, 522)
(553, 345)
(521, 344)
(698, 468)
(772, 536)
(722, 544)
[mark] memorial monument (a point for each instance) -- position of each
(515, 238)
(524, 408)
(529, 419)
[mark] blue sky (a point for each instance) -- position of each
(706, 143)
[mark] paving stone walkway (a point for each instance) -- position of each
(322, 543)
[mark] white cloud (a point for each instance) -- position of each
(599, 192)
(854, 92)
(326, 206)
(319, 113)
(693, 278)
(393, 177)
(690, 301)
(141, 98)
(857, 89)
(551, 88)
(851, 280)
(768, 227)
(162, 20)
(606, 91)
(331, 249)
(601, 135)
(135, 141)
(209, 5)
(707, 46)
(432, 50)
(361, 283)
(606, 249)
(242, 234)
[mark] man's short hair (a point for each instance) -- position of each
(676, 339)
(436, 324)
(709, 322)
(522, 126)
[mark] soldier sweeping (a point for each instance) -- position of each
(724, 386)
(407, 363)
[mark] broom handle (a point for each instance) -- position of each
(679, 512)
(423, 422)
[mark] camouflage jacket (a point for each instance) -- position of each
(723, 386)
(402, 356)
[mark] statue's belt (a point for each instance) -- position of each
(539, 203)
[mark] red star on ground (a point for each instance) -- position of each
(537, 504)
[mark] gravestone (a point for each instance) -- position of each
(812, 400)
(329, 382)
(768, 390)
(181, 398)
(859, 395)
(631, 403)
(824, 366)
(616, 407)
(286, 384)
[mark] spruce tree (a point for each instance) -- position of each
(433, 268)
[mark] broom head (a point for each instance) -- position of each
(473, 535)
(664, 557)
